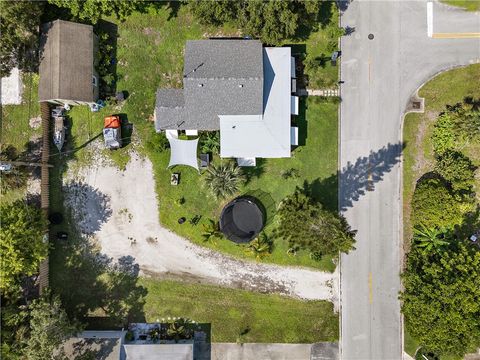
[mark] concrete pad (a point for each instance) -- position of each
(233, 351)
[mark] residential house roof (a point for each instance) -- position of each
(267, 135)
(220, 77)
(67, 62)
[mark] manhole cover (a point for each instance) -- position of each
(370, 36)
(416, 104)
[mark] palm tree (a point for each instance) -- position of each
(224, 179)
(180, 328)
(260, 247)
(211, 231)
(429, 239)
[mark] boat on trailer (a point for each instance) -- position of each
(58, 128)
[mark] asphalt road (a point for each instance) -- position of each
(380, 76)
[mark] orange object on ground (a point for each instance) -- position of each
(112, 122)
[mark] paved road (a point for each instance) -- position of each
(380, 76)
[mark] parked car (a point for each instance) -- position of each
(112, 132)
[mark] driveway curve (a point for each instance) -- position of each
(120, 210)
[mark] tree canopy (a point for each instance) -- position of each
(305, 224)
(49, 328)
(434, 205)
(94, 10)
(19, 26)
(457, 169)
(21, 242)
(271, 21)
(441, 300)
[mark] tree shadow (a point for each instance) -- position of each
(90, 206)
(98, 291)
(256, 171)
(355, 179)
(312, 22)
(359, 177)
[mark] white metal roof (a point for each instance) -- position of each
(183, 152)
(267, 135)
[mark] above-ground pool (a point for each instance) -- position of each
(241, 220)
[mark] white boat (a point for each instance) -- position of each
(58, 132)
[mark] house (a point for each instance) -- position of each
(111, 345)
(238, 87)
(67, 64)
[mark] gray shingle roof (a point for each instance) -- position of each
(221, 77)
(67, 62)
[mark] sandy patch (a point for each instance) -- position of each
(12, 88)
(120, 209)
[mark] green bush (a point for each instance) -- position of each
(434, 205)
(157, 142)
(457, 169)
(210, 142)
(443, 137)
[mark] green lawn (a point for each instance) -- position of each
(242, 316)
(418, 152)
(15, 128)
(470, 5)
(447, 88)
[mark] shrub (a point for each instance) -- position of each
(210, 142)
(457, 169)
(157, 142)
(443, 137)
(434, 205)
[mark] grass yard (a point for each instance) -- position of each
(470, 5)
(15, 126)
(447, 88)
(242, 316)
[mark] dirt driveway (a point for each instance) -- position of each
(120, 210)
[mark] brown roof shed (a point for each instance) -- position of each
(67, 62)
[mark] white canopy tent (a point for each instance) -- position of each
(183, 152)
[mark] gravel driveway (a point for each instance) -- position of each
(120, 210)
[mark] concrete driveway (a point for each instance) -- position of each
(380, 75)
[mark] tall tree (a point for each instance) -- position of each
(272, 21)
(19, 26)
(49, 328)
(224, 179)
(21, 243)
(441, 300)
(94, 10)
(305, 224)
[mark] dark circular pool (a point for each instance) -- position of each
(241, 220)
